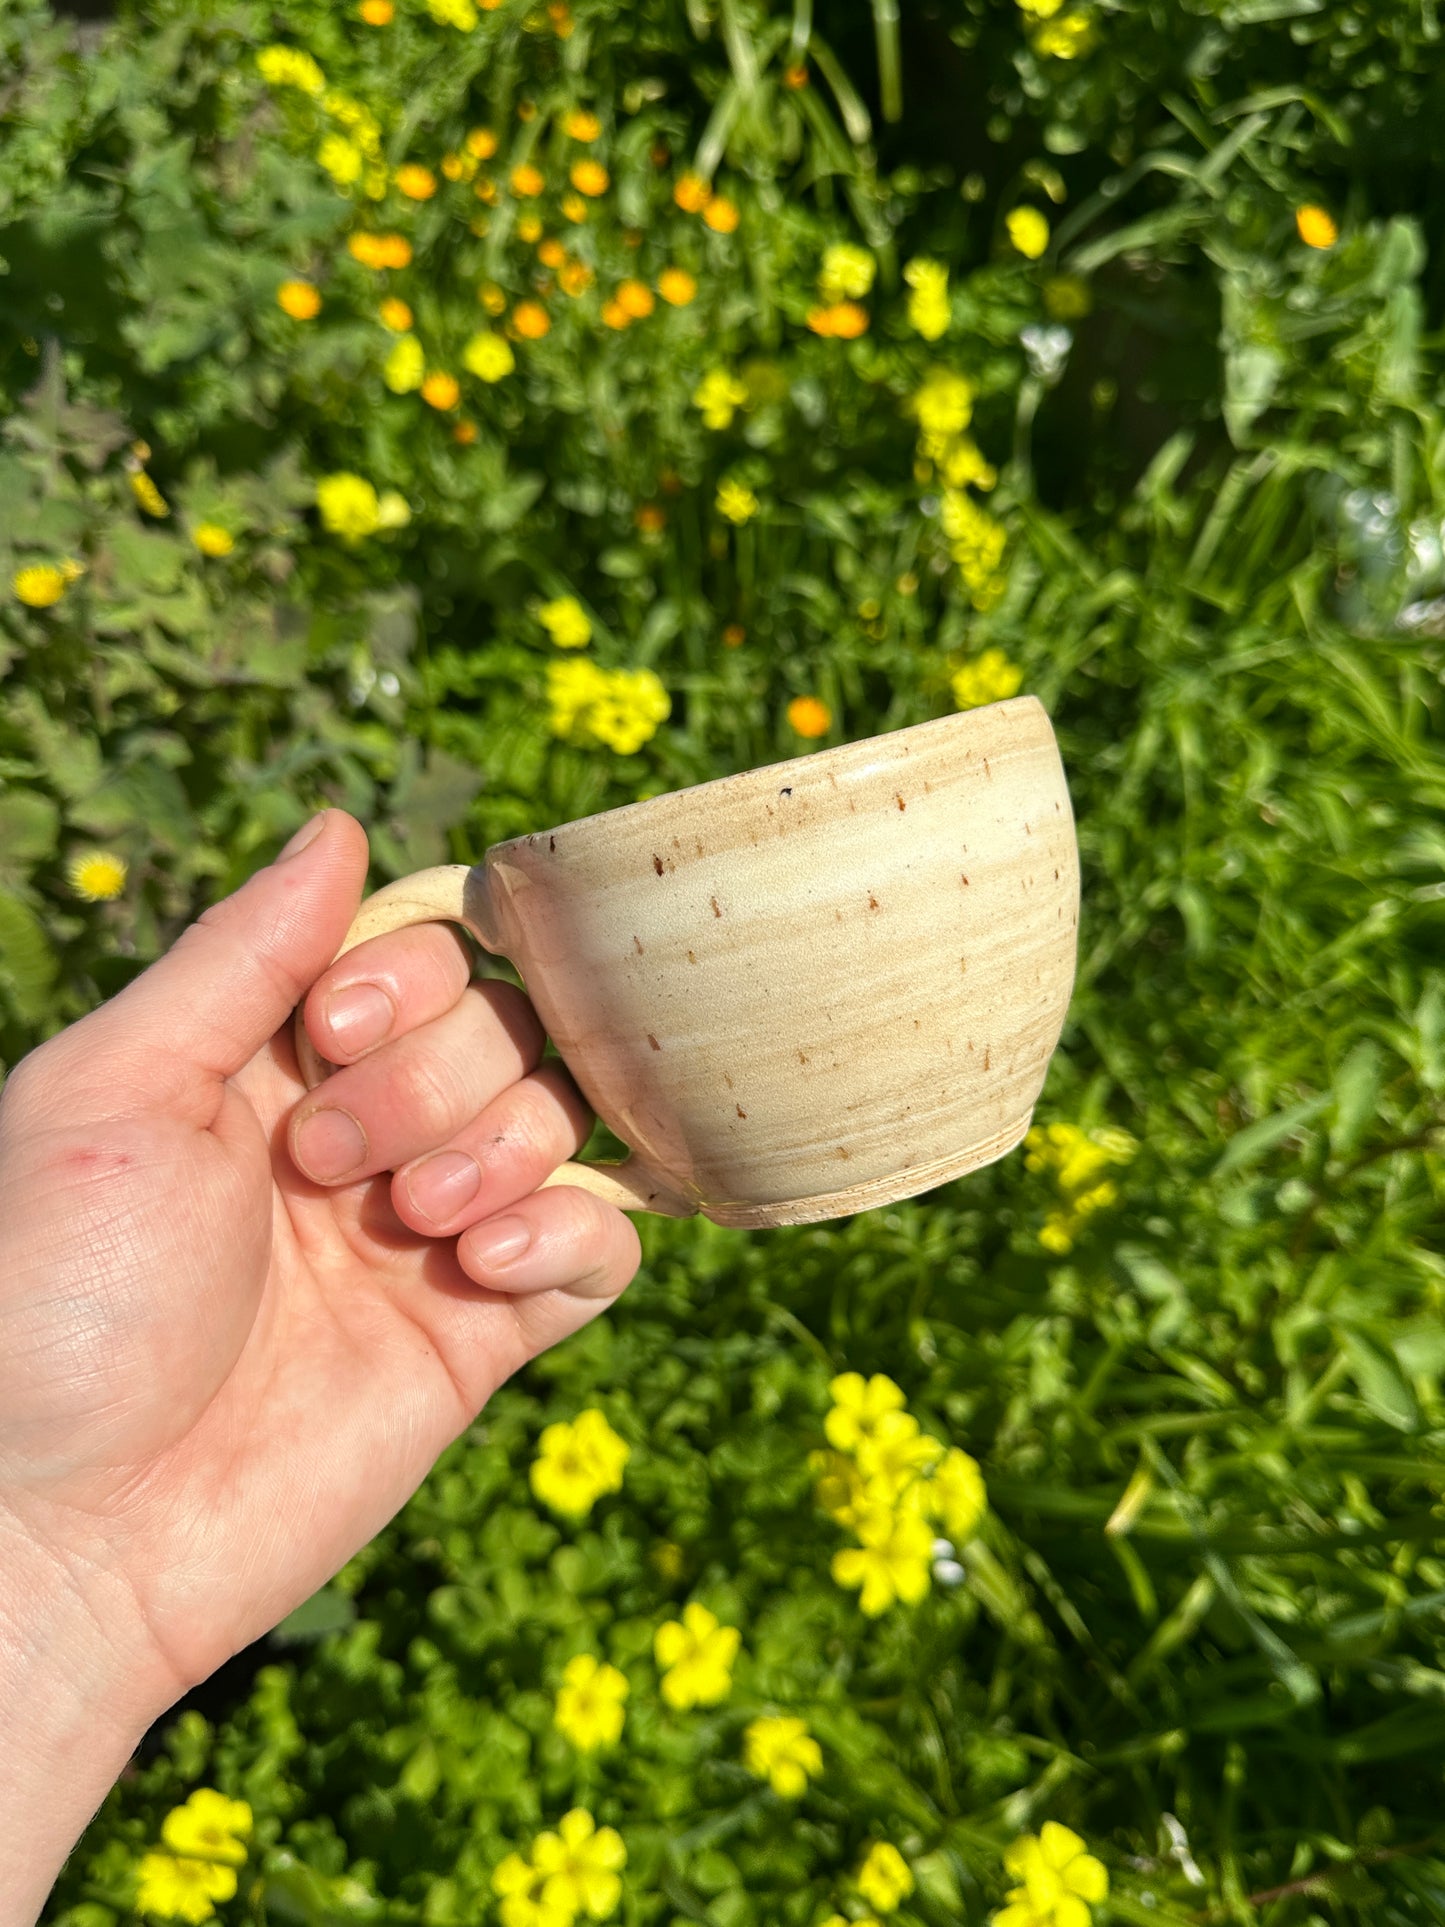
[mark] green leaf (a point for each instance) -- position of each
(1382, 1385)
(1356, 1093)
(27, 963)
(1248, 1146)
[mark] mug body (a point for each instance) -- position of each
(817, 987)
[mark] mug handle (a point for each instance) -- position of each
(441, 896)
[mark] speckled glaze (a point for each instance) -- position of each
(805, 990)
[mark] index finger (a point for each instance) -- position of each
(386, 987)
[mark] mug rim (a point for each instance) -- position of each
(837, 757)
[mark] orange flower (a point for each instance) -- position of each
(481, 143)
(560, 14)
(531, 320)
(527, 180)
(395, 315)
(552, 254)
(590, 177)
(491, 297)
(380, 250)
(808, 716)
(676, 286)
(486, 190)
(575, 278)
(651, 518)
(574, 207)
(298, 299)
(441, 391)
(582, 125)
(529, 228)
(849, 320)
(795, 77)
(465, 433)
(820, 320)
(1317, 227)
(377, 13)
(418, 183)
(734, 636)
(635, 299)
(691, 193)
(614, 315)
(721, 214)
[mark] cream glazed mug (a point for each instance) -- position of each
(802, 991)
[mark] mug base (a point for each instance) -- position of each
(875, 1192)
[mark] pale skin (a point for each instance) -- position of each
(225, 1361)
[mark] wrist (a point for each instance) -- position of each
(77, 1691)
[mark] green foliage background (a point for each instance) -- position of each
(1224, 578)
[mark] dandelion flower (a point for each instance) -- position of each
(529, 228)
(531, 320)
(395, 314)
(848, 319)
(1028, 230)
(213, 540)
(884, 1879)
(736, 501)
(377, 13)
(551, 253)
(348, 506)
(589, 177)
(342, 159)
(380, 250)
(1317, 227)
(582, 125)
(98, 876)
(299, 299)
(697, 1653)
(721, 215)
(148, 496)
(784, 1753)
(614, 315)
(441, 390)
(636, 299)
(574, 208)
(566, 622)
(418, 183)
(677, 287)
(290, 67)
(527, 181)
(574, 278)
(809, 716)
(489, 356)
(39, 585)
(589, 1709)
(481, 143)
(691, 193)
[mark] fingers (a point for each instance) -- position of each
(417, 1092)
(385, 988)
(561, 1239)
(498, 1157)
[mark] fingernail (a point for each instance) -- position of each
(329, 1144)
(499, 1243)
(359, 1016)
(440, 1185)
(308, 833)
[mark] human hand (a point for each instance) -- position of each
(231, 1342)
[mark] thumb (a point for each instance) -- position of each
(232, 978)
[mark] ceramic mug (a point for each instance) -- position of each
(801, 991)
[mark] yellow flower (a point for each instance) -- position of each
(489, 356)
(691, 193)
(566, 622)
(580, 1864)
(619, 707)
(575, 278)
(213, 540)
(895, 1456)
(460, 14)
(589, 177)
(784, 1753)
(809, 716)
(172, 1889)
(1040, 9)
(441, 390)
(635, 298)
(718, 396)
(956, 1496)
(1067, 297)
(976, 543)
(527, 181)
(342, 159)
(39, 585)
(1066, 38)
(859, 1408)
(928, 305)
(847, 272)
(1317, 228)
(531, 320)
(892, 1560)
(944, 403)
(529, 228)
(614, 315)
(1059, 1879)
(524, 1904)
(736, 501)
(208, 1826)
(961, 462)
(348, 506)
(884, 1879)
(698, 1653)
(989, 678)
(380, 250)
(418, 183)
(99, 877)
(676, 286)
(492, 297)
(377, 13)
(298, 299)
(395, 314)
(582, 125)
(839, 1489)
(552, 254)
(576, 1463)
(405, 367)
(589, 1703)
(290, 67)
(721, 214)
(481, 143)
(148, 495)
(1028, 230)
(574, 207)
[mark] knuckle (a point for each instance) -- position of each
(513, 1010)
(426, 1088)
